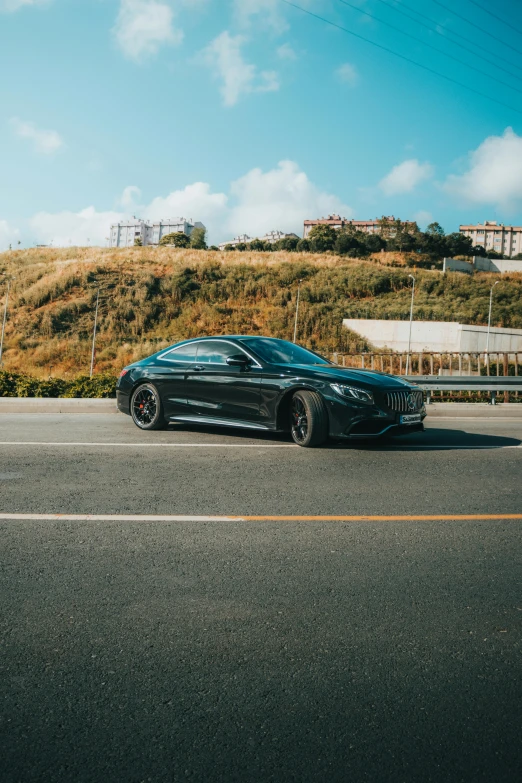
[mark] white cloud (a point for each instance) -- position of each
(258, 202)
(423, 217)
(129, 197)
(64, 228)
(267, 13)
(348, 74)
(194, 201)
(494, 175)
(8, 235)
(285, 52)
(143, 26)
(224, 57)
(15, 5)
(75, 228)
(278, 199)
(405, 177)
(45, 141)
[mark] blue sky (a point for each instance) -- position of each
(253, 115)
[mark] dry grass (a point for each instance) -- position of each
(152, 297)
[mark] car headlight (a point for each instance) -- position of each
(350, 392)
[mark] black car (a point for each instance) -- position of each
(266, 384)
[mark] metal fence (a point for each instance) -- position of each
(427, 363)
(433, 372)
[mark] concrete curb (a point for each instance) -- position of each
(56, 405)
(473, 410)
(84, 405)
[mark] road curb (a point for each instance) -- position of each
(474, 410)
(86, 405)
(56, 405)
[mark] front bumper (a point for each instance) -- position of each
(358, 422)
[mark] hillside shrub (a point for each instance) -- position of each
(19, 385)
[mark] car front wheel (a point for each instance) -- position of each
(146, 408)
(308, 419)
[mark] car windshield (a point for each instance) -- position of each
(275, 351)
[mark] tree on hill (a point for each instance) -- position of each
(198, 239)
(459, 245)
(177, 238)
(322, 238)
(138, 242)
(303, 246)
(346, 242)
(287, 243)
(257, 244)
(435, 229)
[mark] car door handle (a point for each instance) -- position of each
(198, 368)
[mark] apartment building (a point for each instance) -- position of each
(338, 222)
(495, 236)
(125, 233)
(271, 237)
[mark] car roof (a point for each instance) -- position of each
(228, 337)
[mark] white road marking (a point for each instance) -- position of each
(154, 445)
(248, 518)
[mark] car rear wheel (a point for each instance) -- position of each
(146, 408)
(308, 419)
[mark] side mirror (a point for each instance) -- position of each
(239, 360)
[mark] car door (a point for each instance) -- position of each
(216, 390)
(169, 374)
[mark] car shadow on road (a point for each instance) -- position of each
(433, 440)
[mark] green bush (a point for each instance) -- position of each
(17, 385)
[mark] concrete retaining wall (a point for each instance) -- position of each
(435, 336)
(479, 264)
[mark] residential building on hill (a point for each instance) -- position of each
(368, 226)
(495, 236)
(239, 240)
(271, 237)
(125, 233)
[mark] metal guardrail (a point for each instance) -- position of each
(483, 383)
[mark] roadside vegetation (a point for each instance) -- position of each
(152, 297)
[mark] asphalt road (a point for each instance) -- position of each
(259, 650)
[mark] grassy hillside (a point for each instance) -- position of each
(151, 297)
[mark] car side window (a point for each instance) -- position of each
(216, 352)
(183, 353)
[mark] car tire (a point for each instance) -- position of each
(146, 408)
(308, 419)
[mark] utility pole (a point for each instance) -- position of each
(489, 323)
(411, 323)
(297, 309)
(4, 321)
(94, 331)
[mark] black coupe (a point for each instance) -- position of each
(266, 384)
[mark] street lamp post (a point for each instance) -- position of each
(94, 331)
(489, 322)
(297, 309)
(4, 320)
(411, 323)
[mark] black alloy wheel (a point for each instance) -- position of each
(308, 419)
(146, 408)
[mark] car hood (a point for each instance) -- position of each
(336, 374)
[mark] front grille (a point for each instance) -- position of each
(405, 401)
